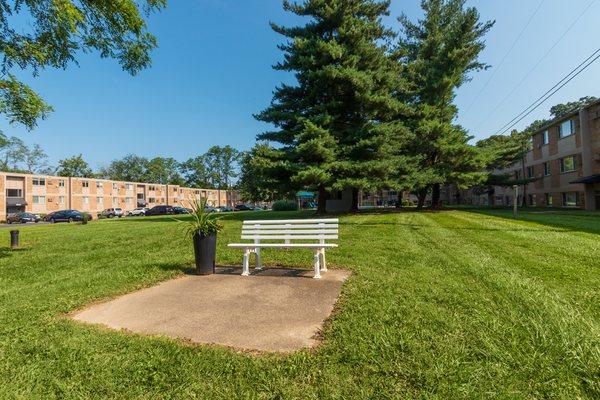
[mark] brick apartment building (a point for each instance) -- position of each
(564, 164)
(44, 194)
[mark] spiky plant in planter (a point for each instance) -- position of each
(203, 228)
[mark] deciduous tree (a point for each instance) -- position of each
(55, 33)
(74, 166)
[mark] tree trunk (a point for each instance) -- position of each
(354, 205)
(435, 196)
(422, 194)
(322, 201)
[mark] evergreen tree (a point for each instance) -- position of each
(439, 51)
(335, 125)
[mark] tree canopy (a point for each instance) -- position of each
(74, 166)
(40, 34)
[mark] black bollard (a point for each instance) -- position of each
(14, 239)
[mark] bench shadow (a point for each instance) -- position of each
(281, 271)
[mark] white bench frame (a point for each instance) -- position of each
(288, 230)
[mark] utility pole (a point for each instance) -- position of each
(515, 200)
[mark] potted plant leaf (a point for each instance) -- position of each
(203, 228)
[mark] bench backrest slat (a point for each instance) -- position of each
(291, 229)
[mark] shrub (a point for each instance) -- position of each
(285, 205)
(203, 222)
(408, 203)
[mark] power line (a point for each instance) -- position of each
(537, 64)
(495, 70)
(553, 90)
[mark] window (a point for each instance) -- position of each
(128, 200)
(151, 188)
(39, 182)
(99, 185)
(545, 137)
(531, 200)
(570, 199)
(151, 200)
(61, 183)
(568, 164)
(115, 186)
(86, 200)
(99, 200)
(128, 186)
(39, 199)
(530, 172)
(85, 184)
(547, 169)
(565, 129)
(548, 199)
(61, 199)
(14, 192)
(115, 200)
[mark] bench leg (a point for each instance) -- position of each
(246, 264)
(323, 264)
(316, 265)
(258, 261)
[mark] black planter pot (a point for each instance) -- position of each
(205, 250)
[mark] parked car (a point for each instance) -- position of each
(224, 209)
(258, 209)
(111, 213)
(243, 207)
(136, 212)
(160, 210)
(211, 209)
(64, 216)
(181, 210)
(23, 218)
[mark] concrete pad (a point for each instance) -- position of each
(276, 310)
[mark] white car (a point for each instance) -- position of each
(138, 212)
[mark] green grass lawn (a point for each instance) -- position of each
(455, 304)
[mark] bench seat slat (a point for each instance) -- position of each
(283, 245)
(290, 232)
(290, 226)
(289, 237)
(291, 221)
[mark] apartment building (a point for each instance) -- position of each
(564, 166)
(43, 194)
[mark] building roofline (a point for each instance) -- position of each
(24, 175)
(563, 117)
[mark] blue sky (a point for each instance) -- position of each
(212, 71)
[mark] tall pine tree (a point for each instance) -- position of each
(439, 52)
(336, 125)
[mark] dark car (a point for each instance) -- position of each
(160, 210)
(243, 207)
(64, 216)
(22, 218)
(181, 210)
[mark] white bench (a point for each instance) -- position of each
(288, 230)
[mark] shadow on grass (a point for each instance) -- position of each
(561, 220)
(7, 251)
(281, 271)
